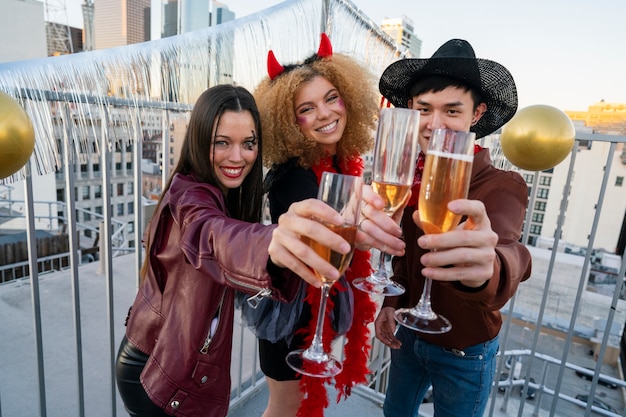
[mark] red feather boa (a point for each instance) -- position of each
(357, 348)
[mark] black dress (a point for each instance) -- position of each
(286, 184)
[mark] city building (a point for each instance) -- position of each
(63, 39)
(581, 200)
(23, 24)
(401, 30)
(602, 117)
(183, 16)
(50, 190)
(591, 165)
(121, 22)
(221, 14)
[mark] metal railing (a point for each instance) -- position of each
(529, 330)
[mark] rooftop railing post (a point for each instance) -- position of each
(105, 254)
(138, 200)
(69, 162)
(34, 282)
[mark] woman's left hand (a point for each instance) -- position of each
(376, 228)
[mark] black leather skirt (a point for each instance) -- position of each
(129, 364)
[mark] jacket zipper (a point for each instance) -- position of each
(254, 300)
(213, 326)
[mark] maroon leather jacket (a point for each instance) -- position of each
(182, 316)
(473, 312)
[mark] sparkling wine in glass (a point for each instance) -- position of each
(395, 154)
(446, 177)
(343, 193)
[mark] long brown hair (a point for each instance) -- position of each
(244, 202)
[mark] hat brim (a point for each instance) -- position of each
(494, 82)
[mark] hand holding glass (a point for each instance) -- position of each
(343, 193)
(446, 177)
(395, 154)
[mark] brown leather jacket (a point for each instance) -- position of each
(198, 257)
(473, 312)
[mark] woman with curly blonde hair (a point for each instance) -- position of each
(317, 116)
(354, 85)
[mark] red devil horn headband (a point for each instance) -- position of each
(274, 69)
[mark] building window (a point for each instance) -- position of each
(545, 180)
(131, 208)
(130, 188)
(86, 216)
(540, 205)
(99, 210)
(85, 192)
(528, 178)
(120, 189)
(543, 193)
(97, 191)
(130, 227)
(538, 217)
(120, 209)
(60, 194)
(619, 181)
(535, 229)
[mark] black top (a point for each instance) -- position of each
(289, 183)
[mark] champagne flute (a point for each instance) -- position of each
(447, 172)
(343, 193)
(395, 154)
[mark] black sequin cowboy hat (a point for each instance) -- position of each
(456, 59)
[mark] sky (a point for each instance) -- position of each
(569, 54)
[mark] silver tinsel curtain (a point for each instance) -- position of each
(68, 93)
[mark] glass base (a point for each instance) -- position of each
(315, 365)
(430, 323)
(372, 285)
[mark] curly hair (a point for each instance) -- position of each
(275, 99)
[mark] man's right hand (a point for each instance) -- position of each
(385, 326)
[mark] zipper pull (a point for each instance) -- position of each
(255, 300)
(205, 347)
(209, 339)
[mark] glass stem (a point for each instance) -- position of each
(424, 304)
(316, 350)
(381, 272)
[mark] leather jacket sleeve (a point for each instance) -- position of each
(232, 252)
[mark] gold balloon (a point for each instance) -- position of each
(538, 137)
(17, 136)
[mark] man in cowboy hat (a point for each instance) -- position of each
(477, 267)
